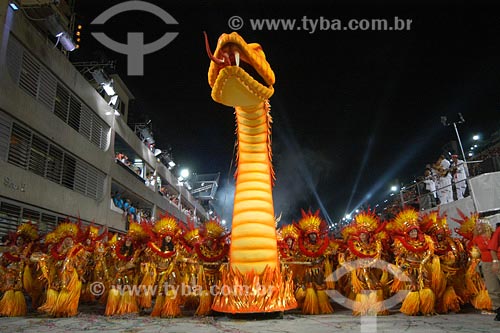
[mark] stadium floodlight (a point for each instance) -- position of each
(108, 88)
(13, 6)
(102, 79)
(184, 173)
(114, 102)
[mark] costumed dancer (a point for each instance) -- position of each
(413, 255)
(449, 271)
(313, 245)
(476, 234)
(290, 257)
(122, 298)
(212, 251)
(147, 274)
(189, 271)
(63, 270)
(17, 277)
(200, 297)
(164, 253)
(97, 266)
(369, 280)
(336, 247)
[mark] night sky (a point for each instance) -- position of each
(354, 111)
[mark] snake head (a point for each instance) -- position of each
(239, 73)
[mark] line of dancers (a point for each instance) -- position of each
(170, 269)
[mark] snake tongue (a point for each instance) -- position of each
(209, 52)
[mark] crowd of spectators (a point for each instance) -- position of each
(445, 180)
(152, 181)
(487, 160)
(442, 181)
(124, 159)
(173, 198)
(131, 212)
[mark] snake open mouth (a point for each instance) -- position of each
(232, 50)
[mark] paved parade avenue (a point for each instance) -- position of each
(90, 320)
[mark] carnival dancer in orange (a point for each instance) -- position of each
(369, 280)
(17, 276)
(476, 234)
(63, 270)
(122, 297)
(94, 241)
(288, 242)
(163, 249)
(292, 262)
(147, 275)
(195, 275)
(211, 251)
(198, 298)
(313, 243)
(449, 271)
(414, 253)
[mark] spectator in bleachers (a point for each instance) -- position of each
(444, 183)
(126, 206)
(132, 211)
(117, 200)
(151, 180)
(427, 191)
(163, 191)
(459, 176)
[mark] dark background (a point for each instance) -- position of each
(354, 111)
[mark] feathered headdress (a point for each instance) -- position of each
(136, 232)
(167, 225)
(190, 234)
(28, 231)
(311, 223)
(467, 224)
(50, 238)
(289, 231)
(405, 221)
(364, 222)
(113, 240)
(433, 223)
(63, 230)
(348, 231)
(212, 229)
(93, 233)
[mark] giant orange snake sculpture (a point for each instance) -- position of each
(253, 253)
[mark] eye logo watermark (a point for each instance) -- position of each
(368, 321)
(135, 49)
